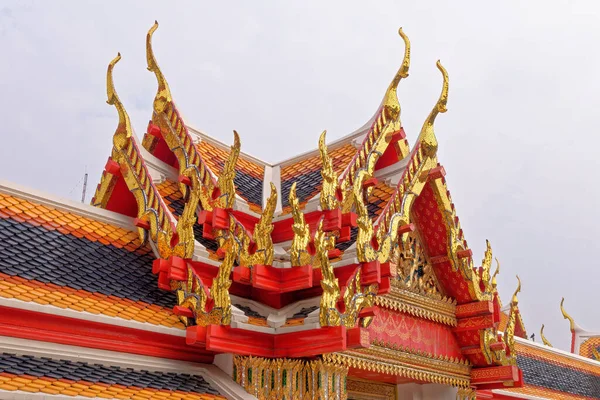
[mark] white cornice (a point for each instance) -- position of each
(529, 343)
(62, 204)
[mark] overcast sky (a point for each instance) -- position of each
(519, 142)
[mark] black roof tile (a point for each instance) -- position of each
(537, 372)
(66, 260)
(81, 371)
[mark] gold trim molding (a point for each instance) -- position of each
(428, 306)
(411, 366)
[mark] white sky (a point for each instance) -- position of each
(519, 142)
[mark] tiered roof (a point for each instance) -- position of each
(352, 252)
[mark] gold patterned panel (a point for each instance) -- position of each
(360, 389)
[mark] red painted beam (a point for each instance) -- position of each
(308, 343)
(33, 325)
(494, 377)
(282, 280)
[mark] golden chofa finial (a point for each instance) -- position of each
(123, 132)
(427, 137)
(494, 283)
(515, 301)
(390, 102)
(163, 95)
(566, 315)
(544, 340)
(328, 197)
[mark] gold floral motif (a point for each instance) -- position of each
(278, 379)
(299, 255)
(328, 196)
(433, 307)
(404, 365)
(544, 340)
(362, 389)
(355, 297)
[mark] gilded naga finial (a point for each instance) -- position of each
(567, 316)
(124, 131)
(544, 340)
(226, 183)
(494, 283)
(427, 137)
(329, 200)
(263, 230)
(163, 95)
(390, 102)
(515, 301)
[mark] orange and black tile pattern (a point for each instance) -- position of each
(69, 378)
(307, 172)
(555, 376)
(248, 177)
(51, 257)
(380, 195)
(586, 347)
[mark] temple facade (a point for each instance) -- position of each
(200, 272)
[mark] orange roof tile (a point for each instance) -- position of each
(81, 300)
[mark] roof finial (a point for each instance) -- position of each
(427, 136)
(544, 340)
(390, 102)
(567, 316)
(494, 283)
(163, 95)
(515, 301)
(123, 132)
(328, 197)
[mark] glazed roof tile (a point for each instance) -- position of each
(554, 375)
(70, 378)
(52, 257)
(585, 349)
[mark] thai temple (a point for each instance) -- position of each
(200, 272)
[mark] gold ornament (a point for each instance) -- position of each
(226, 183)
(126, 153)
(328, 197)
(299, 255)
(544, 340)
(572, 325)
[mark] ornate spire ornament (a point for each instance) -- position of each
(544, 340)
(163, 95)
(299, 255)
(567, 316)
(226, 183)
(390, 102)
(427, 136)
(329, 200)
